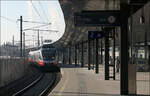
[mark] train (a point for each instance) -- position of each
(44, 58)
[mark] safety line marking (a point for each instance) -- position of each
(64, 85)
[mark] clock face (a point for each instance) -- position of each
(111, 19)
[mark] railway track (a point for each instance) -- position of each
(39, 87)
(29, 86)
(34, 83)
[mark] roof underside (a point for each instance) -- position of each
(74, 35)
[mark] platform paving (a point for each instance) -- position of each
(83, 82)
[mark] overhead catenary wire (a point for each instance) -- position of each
(8, 19)
(36, 10)
(31, 35)
(43, 11)
(36, 22)
(38, 13)
(11, 20)
(37, 26)
(41, 30)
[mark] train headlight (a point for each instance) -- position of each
(41, 63)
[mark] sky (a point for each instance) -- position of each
(44, 12)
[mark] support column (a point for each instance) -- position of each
(63, 59)
(124, 48)
(75, 55)
(78, 54)
(21, 36)
(107, 54)
(58, 56)
(93, 54)
(114, 75)
(69, 49)
(89, 55)
(149, 58)
(24, 45)
(82, 56)
(38, 38)
(97, 63)
(101, 51)
(71, 55)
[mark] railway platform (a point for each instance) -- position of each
(78, 81)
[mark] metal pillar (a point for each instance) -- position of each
(124, 48)
(21, 36)
(149, 58)
(75, 55)
(58, 55)
(63, 57)
(101, 51)
(82, 56)
(107, 54)
(78, 54)
(13, 41)
(69, 55)
(114, 75)
(89, 55)
(93, 54)
(24, 44)
(42, 40)
(38, 38)
(97, 63)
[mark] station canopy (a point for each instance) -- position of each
(74, 35)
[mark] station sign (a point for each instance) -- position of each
(47, 41)
(97, 18)
(95, 34)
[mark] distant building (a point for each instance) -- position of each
(8, 49)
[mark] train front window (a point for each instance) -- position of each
(48, 54)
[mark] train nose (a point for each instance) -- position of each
(49, 63)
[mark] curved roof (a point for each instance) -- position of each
(74, 35)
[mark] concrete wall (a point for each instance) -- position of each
(11, 69)
(141, 31)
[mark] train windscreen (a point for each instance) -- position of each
(48, 54)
